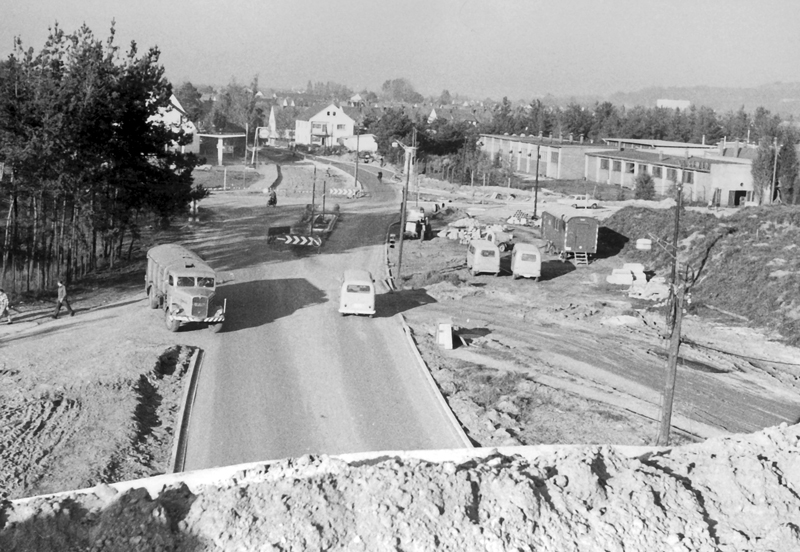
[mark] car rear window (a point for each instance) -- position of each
(487, 253)
(358, 288)
(528, 257)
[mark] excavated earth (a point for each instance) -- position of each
(731, 494)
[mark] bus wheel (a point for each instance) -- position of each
(171, 323)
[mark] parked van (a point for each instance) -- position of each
(182, 284)
(483, 256)
(358, 293)
(526, 261)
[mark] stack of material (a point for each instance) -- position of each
(520, 218)
(631, 274)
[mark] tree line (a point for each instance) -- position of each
(451, 146)
(85, 162)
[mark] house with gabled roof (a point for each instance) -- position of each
(176, 118)
(324, 125)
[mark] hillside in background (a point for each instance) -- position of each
(746, 264)
(779, 98)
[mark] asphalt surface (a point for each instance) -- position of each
(289, 375)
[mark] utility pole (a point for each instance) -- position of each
(668, 397)
(409, 152)
(313, 193)
(536, 184)
(355, 129)
(674, 271)
(674, 317)
(774, 173)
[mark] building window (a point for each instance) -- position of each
(554, 157)
(672, 174)
(657, 172)
(604, 164)
(629, 167)
(688, 177)
(617, 166)
(642, 169)
(339, 127)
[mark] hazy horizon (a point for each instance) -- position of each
(515, 48)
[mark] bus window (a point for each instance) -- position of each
(205, 282)
(185, 281)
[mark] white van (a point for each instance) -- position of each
(526, 261)
(483, 256)
(358, 293)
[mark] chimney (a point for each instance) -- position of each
(704, 139)
(581, 138)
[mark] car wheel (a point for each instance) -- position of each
(153, 298)
(215, 328)
(171, 323)
(594, 205)
(574, 206)
(501, 247)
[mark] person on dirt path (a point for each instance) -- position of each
(62, 300)
(5, 308)
(380, 176)
(273, 198)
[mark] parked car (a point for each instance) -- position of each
(579, 201)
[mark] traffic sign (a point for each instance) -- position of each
(299, 240)
(343, 191)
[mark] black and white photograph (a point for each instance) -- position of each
(444, 275)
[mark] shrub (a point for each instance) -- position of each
(645, 187)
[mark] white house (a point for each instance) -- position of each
(324, 125)
(175, 117)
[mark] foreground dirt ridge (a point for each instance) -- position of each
(737, 492)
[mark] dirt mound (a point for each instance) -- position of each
(732, 493)
(746, 264)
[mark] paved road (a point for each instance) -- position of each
(289, 375)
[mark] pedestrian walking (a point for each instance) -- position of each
(62, 300)
(5, 308)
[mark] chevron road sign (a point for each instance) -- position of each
(299, 240)
(343, 191)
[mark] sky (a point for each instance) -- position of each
(521, 49)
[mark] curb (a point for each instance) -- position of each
(180, 436)
(435, 388)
